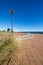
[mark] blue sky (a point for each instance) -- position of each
(28, 15)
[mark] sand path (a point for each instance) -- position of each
(29, 50)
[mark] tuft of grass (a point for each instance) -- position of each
(6, 49)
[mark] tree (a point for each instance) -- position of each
(8, 29)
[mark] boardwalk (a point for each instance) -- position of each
(28, 52)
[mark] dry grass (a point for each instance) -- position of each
(7, 46)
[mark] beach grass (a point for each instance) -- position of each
(6, 48)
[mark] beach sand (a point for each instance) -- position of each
(29, 49)
(29, 52)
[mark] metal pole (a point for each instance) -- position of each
(11, 12)
(11, 23)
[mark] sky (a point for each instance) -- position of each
(28, 15)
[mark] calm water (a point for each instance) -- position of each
(33, 32)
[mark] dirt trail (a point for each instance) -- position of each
(28, 51)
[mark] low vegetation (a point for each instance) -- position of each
(6, 48)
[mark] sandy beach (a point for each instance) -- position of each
(29, 52)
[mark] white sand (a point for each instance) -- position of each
(28, 36)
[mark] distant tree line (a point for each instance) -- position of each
(8, 30)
